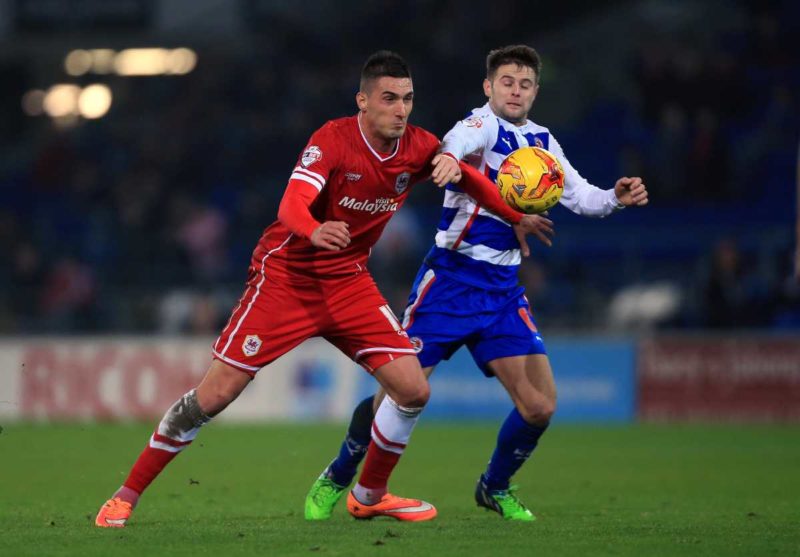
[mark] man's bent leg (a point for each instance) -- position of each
(407, 393)
(176, 431)
(529, 382)
(329, 487)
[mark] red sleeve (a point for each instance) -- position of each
(486, 193)
(309, 176)
(320, 157)
(294, 210)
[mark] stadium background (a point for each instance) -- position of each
(126, 228)
(140, 220)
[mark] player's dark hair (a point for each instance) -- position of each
(383, 63)
(519, 54)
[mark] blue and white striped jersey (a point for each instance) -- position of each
(472, 244)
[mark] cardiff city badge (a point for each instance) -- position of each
(401, 184)
(251, 345)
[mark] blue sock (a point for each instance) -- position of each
(515, 443)
(354, 448)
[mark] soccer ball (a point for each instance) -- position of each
(531, 180)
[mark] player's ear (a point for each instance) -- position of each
(361, 101)
(487, 87)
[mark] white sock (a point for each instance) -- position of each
(391, 430)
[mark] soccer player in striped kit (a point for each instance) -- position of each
(467, 292)
(308, 278)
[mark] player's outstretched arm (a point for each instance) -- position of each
(485, 192)
(631, 191)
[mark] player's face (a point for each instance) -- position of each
(511, 92)
(386, 105)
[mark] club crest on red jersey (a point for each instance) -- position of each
(251, 345)
(401, 184)
(311, 155)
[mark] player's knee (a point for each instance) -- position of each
(415, 396)
(538, 412)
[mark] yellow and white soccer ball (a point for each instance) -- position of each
(531, 180)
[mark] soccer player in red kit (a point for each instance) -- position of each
(308, 278)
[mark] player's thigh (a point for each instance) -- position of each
(363, 326)
(528, 379)
(404, 381)
(221, 385)
(506, 332)
(271, 318)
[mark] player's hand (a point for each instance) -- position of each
(631, 191)
(445, 170)
(539, 226)
(331, 235)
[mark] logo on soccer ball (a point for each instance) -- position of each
(311, 155)
(251, 345)
(401, 184)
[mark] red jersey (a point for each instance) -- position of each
(357, 185)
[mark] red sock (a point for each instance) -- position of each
(155, 456)
(377, 467)
(391, 430)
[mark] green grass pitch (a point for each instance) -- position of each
(239, 490)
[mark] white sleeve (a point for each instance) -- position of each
(579, 195)
(469, 135)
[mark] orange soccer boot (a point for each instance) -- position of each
(113, 514)
(412, 510)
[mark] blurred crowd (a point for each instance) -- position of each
(144, 220)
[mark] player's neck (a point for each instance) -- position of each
(378, 143)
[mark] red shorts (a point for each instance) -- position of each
(274, 315)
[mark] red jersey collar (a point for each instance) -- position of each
(374, 152)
